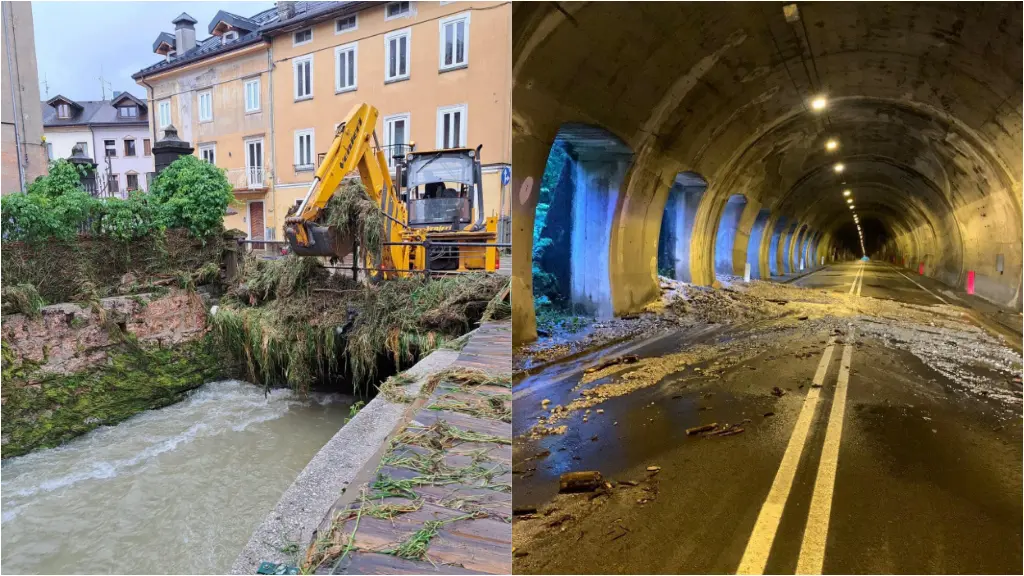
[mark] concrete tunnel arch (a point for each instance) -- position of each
(930, 137)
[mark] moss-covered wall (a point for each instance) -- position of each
(72, 368)
(42, 410)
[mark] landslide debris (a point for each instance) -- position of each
(293, 321)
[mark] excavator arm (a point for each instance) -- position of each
(354, 147)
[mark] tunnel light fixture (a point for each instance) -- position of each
(849, 200)
(839, 167)
(847, 192)
(852, 206)
(819, 103)
(831, 145)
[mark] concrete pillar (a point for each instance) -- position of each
(726, 234)
(741, 246)
(633, 252)
(785, 242)
(598, 178)
(529, 155)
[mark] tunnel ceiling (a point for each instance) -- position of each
(924, 99)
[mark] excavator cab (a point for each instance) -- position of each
(442, 188)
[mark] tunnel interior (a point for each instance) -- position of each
(902, 118)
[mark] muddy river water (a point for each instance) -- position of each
(177, 490)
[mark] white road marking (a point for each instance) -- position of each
(812, 550)
(860, 281)
(755, 557)
(939, 298)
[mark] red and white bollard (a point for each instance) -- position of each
(920, 268)
(970, 281)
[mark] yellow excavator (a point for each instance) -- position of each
(434, 218)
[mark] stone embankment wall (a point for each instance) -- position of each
(66, 338)
(75, 367)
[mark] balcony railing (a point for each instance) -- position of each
(249, 178)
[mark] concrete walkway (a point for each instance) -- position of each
(438, 499)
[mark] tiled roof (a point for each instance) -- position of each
(266, 20)
(91, 112)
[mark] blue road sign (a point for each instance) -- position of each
(506, 176)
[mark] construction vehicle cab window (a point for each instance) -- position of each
(434, 223)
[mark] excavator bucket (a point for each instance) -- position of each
(323, 241)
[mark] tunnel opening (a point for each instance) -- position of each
(677, 225)
(579, 191)
(755, 241)
(876, 238)
(725, 237)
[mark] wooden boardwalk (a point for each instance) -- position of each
(440, 499)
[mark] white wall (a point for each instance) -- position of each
(121, 165)
(63, 139)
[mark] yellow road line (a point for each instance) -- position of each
(755, 557)
(860, 280)
(812, 550)
(856, 277)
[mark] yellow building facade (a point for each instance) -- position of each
(262, 96)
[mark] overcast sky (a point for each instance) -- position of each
(77, 42)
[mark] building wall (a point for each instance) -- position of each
(231, 125)
(21, 112)
(61, 140)
(483, 86)
(121, 165)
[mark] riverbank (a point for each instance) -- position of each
(71, 368)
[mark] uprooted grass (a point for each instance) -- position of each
(421, 451)
(355, 215)
(292, 321)
(22, 299)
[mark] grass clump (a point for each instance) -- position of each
(353, 214)
(291, 321)
(22, 299)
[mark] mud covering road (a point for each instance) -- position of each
(906, 459)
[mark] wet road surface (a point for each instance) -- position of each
(888, 467)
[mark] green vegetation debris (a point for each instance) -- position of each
(22, 299)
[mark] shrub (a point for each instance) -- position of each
(41, 215)
(192, 194)
(129, 219)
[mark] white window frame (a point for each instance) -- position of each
(85, 147)
(296, 63)
(208, 94)
(161, 107)
(405, 14)
(105, 149)
(462, 16)
(300, 167)
(304, 42)
(252, 182)
(407, 32)
(353, 17)
(245, 94)
(387, 122)
(63, 111)
(212, 149)
(229, 36)
(122, 112)
(463, 123)
(340, 51)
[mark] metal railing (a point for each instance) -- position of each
(248, 178)
(272, 249)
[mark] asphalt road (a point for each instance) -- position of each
(884, 468)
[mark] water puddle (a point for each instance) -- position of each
(175, 490)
